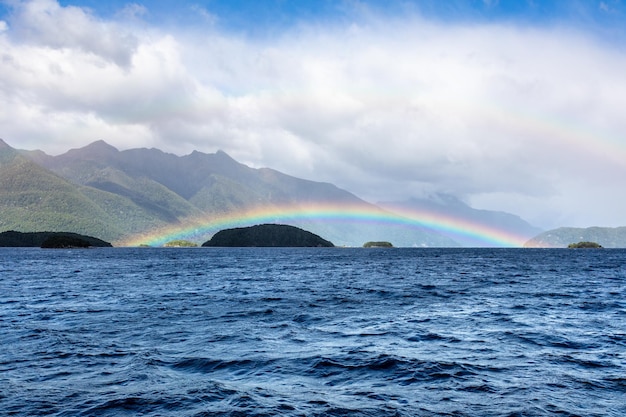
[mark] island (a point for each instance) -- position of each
(180, 244)
(266, 235)
(377, 245)
(15, 239)
(64, 242)
(584, 245)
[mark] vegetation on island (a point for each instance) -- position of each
(584, 245)
(64, 242)
(377, 245)
(180, 244)
(267, 235)
(15, 239)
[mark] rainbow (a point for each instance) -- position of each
(578, 137)
(449, 226)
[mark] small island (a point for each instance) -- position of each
(584, 245)
(377, 245)
(48, 240)
(266, 235)
(180, 244)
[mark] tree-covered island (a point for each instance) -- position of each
(377, 245)
(584, 245)
(12, 238)
(267, 235)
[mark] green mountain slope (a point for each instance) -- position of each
(222, 195)
(166, 190)
(100, 191)
(35, 199)
(103, 167)
(608, 237)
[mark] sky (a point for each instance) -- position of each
(512, 105)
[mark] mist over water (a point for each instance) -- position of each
(313, 332)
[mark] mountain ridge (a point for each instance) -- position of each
(451, 206)
(608, 237)
(137, 191)
(28, 192)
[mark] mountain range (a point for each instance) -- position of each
(451, 207)
(120, 196)
(608, 237)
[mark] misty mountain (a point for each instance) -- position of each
(101, 191)
(34, 199)
(198, 180)
(608, 237)
(450, 206)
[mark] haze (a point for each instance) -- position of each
(517, 109)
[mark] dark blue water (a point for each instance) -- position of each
(312, 332)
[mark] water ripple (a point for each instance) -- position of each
(304, 332)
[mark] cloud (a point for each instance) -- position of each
(526, 119)
(132, 11)
(610, 7)
(206, 16)
(46, 23)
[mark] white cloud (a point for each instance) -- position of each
(46, 23)
(520, 119)
(206, 16)
(132, 11)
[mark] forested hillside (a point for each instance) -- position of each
(100, 191)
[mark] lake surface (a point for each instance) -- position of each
(312, 332)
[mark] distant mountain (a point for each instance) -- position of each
(115, 195)
(101, 191)
(608, 237)
(33, 198)
(449, 206)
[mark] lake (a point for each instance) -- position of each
(312, 332)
